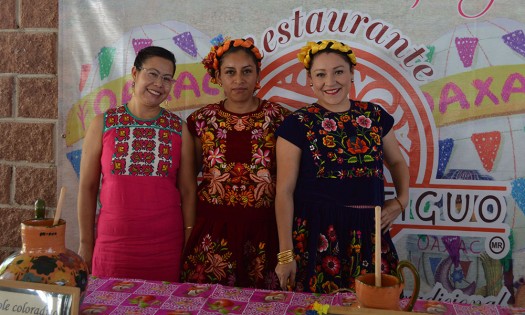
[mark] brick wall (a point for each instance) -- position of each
(28, 113)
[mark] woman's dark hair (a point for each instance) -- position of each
(248, 51)
(154, 51)
(212, 62)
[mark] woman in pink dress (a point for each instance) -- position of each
(233, 241)
(142, 157)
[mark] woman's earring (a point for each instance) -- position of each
(311, 84)
(352, 81)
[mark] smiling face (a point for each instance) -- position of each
(331, 76)
(238, 76)
(151, 84)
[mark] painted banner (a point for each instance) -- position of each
(452, 74)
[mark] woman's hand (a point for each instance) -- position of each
(86, 254)
(400, 176)
(391, 210)
(286, 275)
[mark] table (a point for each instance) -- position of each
(133, 296)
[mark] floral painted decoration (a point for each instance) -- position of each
(220, 45)
(312, 48)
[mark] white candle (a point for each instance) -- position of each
(378, 246)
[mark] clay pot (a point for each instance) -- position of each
(388, 294)
(44, 257)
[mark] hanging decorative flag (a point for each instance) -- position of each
(429, 56)
(465, 267)
(518, 192)
(487, 145)
(516, 41)
(466, 47)
(74, 159)
(84, 73)
(434, 263)
(186, 43)
(445, 150)
(105, 61)
(140, 43)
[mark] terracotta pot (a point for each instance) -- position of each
(387, 295)
(44, 257)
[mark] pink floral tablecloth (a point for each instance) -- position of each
(130, 296)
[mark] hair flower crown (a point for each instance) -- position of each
(220, 45)
(312, 48)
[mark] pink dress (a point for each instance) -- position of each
(139, 229)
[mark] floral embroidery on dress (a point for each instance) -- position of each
(256, 257)
(142, 148)
(211, 262)
(334, 263)
(361, 149)
(248, 184)
(299, 236)
(389, 258)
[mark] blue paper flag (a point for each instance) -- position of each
(74, 159)
(445, 151)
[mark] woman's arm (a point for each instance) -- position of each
(90, 168)
(187, 181)
(400, 176)
(288, 160)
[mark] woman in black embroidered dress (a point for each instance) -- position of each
(330, 158)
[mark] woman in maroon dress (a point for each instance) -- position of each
(233, 241)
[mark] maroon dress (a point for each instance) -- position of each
(234, 240)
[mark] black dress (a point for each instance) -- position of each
(340, 181)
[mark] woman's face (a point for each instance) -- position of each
(153, 81)
(331, 77)
(238, 76)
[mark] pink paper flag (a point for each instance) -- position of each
(466, 47)
(140, 43)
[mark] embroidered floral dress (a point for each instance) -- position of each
(234, 240)
(340, 181)
(139, 229)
